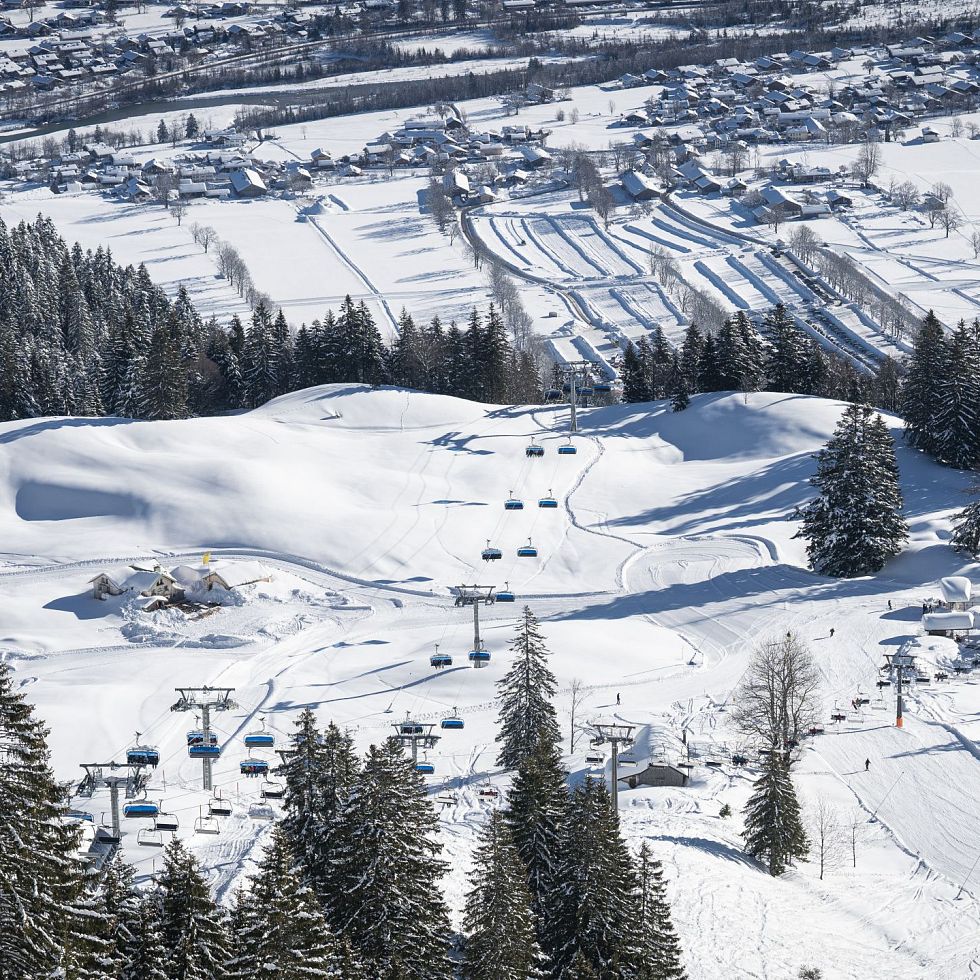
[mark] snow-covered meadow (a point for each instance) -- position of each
(670, 556)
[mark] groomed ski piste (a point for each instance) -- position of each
(604, 275)
(670, 556)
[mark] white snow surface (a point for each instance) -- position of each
(671, 555)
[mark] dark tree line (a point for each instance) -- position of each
(739, 357)
(81, 335)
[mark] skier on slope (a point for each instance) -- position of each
(867, 764)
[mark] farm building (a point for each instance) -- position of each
(638, 185)
(104, 585)
(656, 774)
(247, 183)
(957, 592)
(234, 575)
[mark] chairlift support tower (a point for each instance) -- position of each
(616, 734)
(575, 372)
(475, 596)
(132, 782)
(414, 734)
(898, 664)
(204, 699)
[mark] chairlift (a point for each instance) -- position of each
(739, 760)
(512, 503)
(942, 676)
(816, 730)
(260, 811)
(259, 739)
(883, 683)
(425, 768)
(167, 823)
(488, 792)
(549, 502)
(552, 395)
(143, 755)
(447, 799)
(595, 758)
(198, 738)
(568, 449)
(149, 837)
(627, 759)
(104, 833)
(440, 659)
(506, 595)
(206, 825)
(838, 716)
(713, 763)
(202, 751)
(491, 554)
(141, 810)
(409, 727)
(218, 807)
(453, 722)
(923, 679)
(603, 387)
(479, 657)
(253, 767)
(586, 390)
(81, 816)
(272, 790)
(534, 451)
(527, 550)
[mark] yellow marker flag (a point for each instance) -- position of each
(207, 558)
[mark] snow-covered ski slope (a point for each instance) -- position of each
(670, 556)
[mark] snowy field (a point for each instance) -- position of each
(670, 556)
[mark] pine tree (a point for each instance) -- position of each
(501, 941)
(49, 925)
(163, 391)
(655, 929)
(140, 943)
(394, 913)
(788, 351)
(594, 918)
(524, 694)
(957, 420)
(922, 391)
(279, 929)
(966, 526)
(536, 805)
(260, 367)
(636, 387)
(773, 826)
(855, 524)
(320, 774)
(692, 351)
(192, 927)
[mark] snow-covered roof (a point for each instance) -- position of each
(234, 574)
(946, 621)
(189, 576)
(956, 588)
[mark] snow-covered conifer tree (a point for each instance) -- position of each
(855, 525)
(501, 941)
(524, 695)
(774, 830)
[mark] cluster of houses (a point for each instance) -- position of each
(154, 587)
(79, 47)
(445, 142)
(731, 105)
(221, 167)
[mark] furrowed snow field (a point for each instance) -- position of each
(670, 556)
